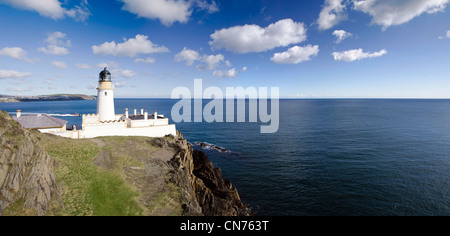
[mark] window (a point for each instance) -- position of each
(106, 93)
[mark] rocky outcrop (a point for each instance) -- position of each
(27, 179)
(204, 190)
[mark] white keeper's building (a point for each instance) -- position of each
(107, 123)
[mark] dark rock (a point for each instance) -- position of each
(205, 190)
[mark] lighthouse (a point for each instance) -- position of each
(106, 123)
(105, 97)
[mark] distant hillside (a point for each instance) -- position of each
(54, 97)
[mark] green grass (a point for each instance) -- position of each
(18, 209)
(126, 150)
(166, 202)
(112, 197)
(87, 189)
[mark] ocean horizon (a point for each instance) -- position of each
(329, 156)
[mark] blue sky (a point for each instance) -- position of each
(309, 49)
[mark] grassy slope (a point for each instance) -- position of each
(88, 190)
(111, 189)
(144, 167)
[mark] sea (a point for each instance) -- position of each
(338, 157)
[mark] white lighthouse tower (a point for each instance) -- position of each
(105, 97)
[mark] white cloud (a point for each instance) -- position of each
(120, 84)
(79, 13)
(204, 5)
(253, 38)
(212, 61)
(356, 54)
(56, 44)
(49, 82)
(83, 66)
(296, 55)
(12, 74)
(190, 56)
(384, 12)
(20, 90)
(147, 60)
(51, 8)
(447, 35)
(91, 86)
(130, 48)
(332, 13)
(59, 64)
(58, 38)
(208, 62)
(54, 50)
(111, 64)
(232, 73)
(187, 55)
(126, 73)
(115, 70)
(15, 53)
(341, 35)
(167, 11)
(389, 13)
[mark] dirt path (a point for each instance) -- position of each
(99, 142)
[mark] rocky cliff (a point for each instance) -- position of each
(204, 190)
(27, 180)
(41, 174)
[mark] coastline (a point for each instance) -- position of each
(55, 97)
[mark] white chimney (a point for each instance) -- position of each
(19, 113)
(156, 115)
(126, 112)
(146, 115)
(135, 112)
(142, 111)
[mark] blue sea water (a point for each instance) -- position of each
(329, 157)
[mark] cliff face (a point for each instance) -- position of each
(170, 177)
(27, 180)
(205, 191)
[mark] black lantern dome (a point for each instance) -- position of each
(105, 76)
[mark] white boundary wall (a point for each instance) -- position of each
(122, 126)
(121, 129)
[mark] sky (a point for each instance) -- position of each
(308, 49)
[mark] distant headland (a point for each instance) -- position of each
(54, 97)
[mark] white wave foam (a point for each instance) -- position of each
(209, 146)
(60, 115)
